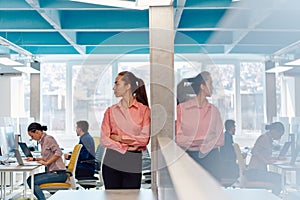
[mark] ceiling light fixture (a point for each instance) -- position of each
(138, 4)
(30, 68)
(294, 63)
(9, 62)
(27, 70)
(279, 69)
(114, 3)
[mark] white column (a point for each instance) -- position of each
(161, 27)
(35, 91)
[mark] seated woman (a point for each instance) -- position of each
(51, 158)
(262, 156)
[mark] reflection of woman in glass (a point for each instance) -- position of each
(125, 132)
(199, 127)
(262, 156)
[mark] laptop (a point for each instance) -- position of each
(284, 150)
(21, 162)
(25, 149)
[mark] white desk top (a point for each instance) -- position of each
(251, 194)
(13, 167)
(104, 194)
(234, 194)
(286, 166)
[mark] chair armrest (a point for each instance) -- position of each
(69, 173)
(88, 161)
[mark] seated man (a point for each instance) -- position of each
(86, 160)
(230, 168)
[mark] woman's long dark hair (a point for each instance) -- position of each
(189, 87)
(36, 126)
(278, 126)
(138, 88)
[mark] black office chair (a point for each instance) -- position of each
(146, 167)
(93, 181)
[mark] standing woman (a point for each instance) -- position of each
(125, 132)
(199, 127)
(51, 158)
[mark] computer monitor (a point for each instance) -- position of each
(296, 152)
(24, 137)
(10, 140)
(25, 149)
(294, 156)
(8, 143)
(2, 140)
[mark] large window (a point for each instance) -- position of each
(224, 89)
(140, 69)
(252, 99)
(72, 92)
(238, 92)
(53, 91)
(92, 94)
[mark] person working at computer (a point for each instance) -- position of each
(51, 158)
(125, 132)
(230, 168)
(86, 159)
(262, 156)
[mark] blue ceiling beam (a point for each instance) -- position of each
(178, 12)
(283, 38)
(254, 49)
(53, 18)
(35, 38)
(25, 19)
(199, 49)
(203, 37)
(105, 19)
(208, 3)
(13, 4)
(66, 4)
(284, 19)
(115, 38)
(202, 18)
(118, 50)
(38, 50)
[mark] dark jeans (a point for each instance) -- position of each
(45, 178)
(230, 170)
(267, 177)
(83, 173)
(115, 179)
(122, 171)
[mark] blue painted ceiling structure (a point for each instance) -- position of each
(42, 27)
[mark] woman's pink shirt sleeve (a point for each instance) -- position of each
(199, 124)
(132, 123)
(106, 130)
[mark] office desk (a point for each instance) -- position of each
(104, 194)
(284, 168)
(14, 167)
(147, 194)
(251, 194)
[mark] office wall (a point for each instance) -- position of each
(12, 96)
(5, 100)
